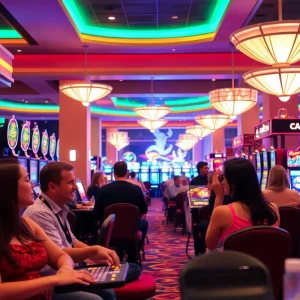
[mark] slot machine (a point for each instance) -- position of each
(154, 174)
(265, 170)
(136, 167)
(215, 161)
(144, 172)
(293, 168)
(34, 170)
(258, 165)
(277, 157)
(186, 169)
(177, 169)
(108, 171)
(164, 172)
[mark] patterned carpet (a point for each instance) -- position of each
(165, 255)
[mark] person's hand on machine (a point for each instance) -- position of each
(105, 256)
(69, 276)
(217, 185)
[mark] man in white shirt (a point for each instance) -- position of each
(172, 190)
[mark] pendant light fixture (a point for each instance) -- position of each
(152, 124)
(213, 122)
(277, 44)
(186, 141)
(118, 139)
(152, 112)
(85, 92)
(199, 131)
(233, 101)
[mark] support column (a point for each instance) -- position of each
(111, 151)
(271, 105)
(75, 134)
(96, 137)
(248, 120)
(197, 153)
(218, 141)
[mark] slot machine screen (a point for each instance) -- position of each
(258, 166)
(272, 158)
(265, 160)
(34, 171)
(198, 196)
(295, 180)
(81, 191)
(264, 180)
(293, 159)
(24, 162)
(42, 165)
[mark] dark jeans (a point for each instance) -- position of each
(199, 242)
(134, 272)
(94, 294)
(143, 227)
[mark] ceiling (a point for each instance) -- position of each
(147, 38)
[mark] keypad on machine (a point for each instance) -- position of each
(103, 273)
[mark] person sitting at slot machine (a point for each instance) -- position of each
(132, 179)
(249, 207)
(278, 190)
(98, 180)
(201, 179)
(172, 190)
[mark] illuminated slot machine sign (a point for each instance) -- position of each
(215, 161)
(57, 150)
(12, 135)
(272, 158)
(45, 144)
(144, 172)
(258, 166)
(265, 170)
(52, 146)
(36, 141)
(25, 137)
(108, 172)
(293, 165)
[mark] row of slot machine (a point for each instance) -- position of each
(289, 159)
(154, 173)
(29, 146)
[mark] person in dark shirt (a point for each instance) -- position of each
(98, 181)
(201, 179)
(121, 191)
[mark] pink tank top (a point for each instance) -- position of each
(237, 223)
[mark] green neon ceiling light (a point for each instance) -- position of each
(9, 34)
(184, 101)
(127, 102)
(189, 108)
(200, 29)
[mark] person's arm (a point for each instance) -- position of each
(217, 223)
(141, 202)
(166, 192)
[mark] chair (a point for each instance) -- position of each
(71, 217)
(179, 215)
(106, 231)
(290, 221)
(124, 234)
(203, 215)
(225, 275)
(269, 244)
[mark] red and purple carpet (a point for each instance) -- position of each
(165, 255)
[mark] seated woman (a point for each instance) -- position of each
(249, 207)
(278, 190)
(98, 180)
(25, 248)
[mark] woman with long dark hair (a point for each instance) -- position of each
(24, 247)
(249, 207)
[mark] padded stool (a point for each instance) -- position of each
(142, 288)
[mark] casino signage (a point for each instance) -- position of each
(52, 146)
(12, 133)
(25, 137)
(45, 143)
(277, 127)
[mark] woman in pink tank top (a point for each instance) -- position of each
(249, 207)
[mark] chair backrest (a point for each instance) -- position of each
(106, 231)
(147, 185)
(180, 201)
(290, 221)
(71, 217)
(225, 275)
(125, 227)
(203, 213)
(269, 244)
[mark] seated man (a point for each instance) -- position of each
(201, 179)
(173, 189)
(58, 184)
(121, 191)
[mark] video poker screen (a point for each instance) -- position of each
(295, 180)
(198, 195)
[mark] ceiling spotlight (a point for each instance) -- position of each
(23, 100)
(46, 101)
(173, 50)
(26, 101)
(19, 50)
(214, 79)
(112, 18)
(174, 17)
(121, 80)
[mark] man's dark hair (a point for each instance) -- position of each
(200, 165)
(120, 169)
(176, 177)
(52, 173)
(132, 174)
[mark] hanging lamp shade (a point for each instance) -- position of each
(233, 101)
(186, 141)
(85, 92)
(213, 122)
(271, 43)
(198, 131)
(118, 139)
(152, 113)
(152, 124)
(282, 82)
